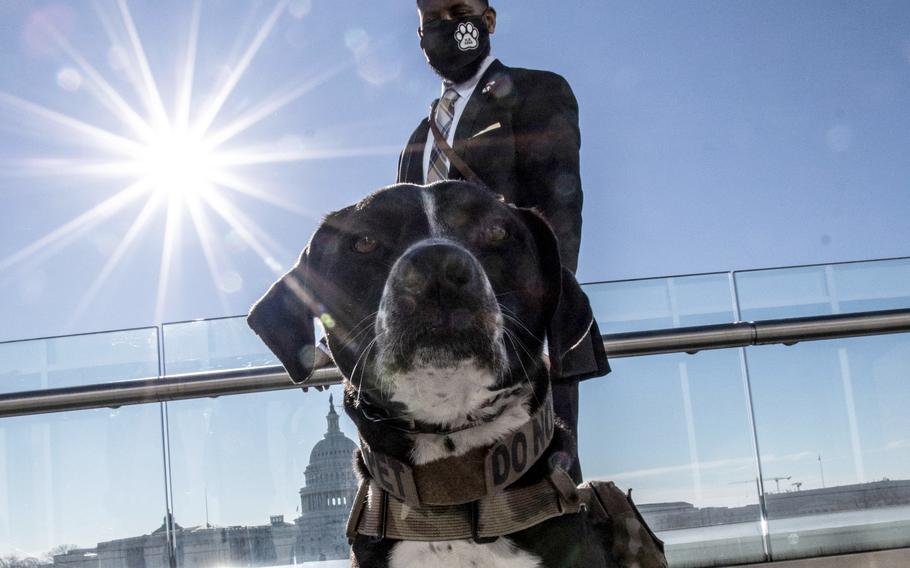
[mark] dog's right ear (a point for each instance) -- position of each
(571, 318)
(283, 319)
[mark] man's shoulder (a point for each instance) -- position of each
(419, 134)
(532, 84)
(533, 87)
(521, 74)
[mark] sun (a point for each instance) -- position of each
(176, 163)
(183, 157)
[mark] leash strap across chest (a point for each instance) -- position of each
(466, 478)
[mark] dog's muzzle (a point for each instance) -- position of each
(437, 300)
(432, 280)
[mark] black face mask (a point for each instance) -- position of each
(456, 48)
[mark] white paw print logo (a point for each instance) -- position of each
(466, 35)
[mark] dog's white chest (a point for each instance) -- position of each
(461, 554)
(443, 395)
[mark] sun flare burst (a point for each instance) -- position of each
(183, 161)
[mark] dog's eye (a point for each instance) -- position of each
(366, 244)
(496, 233)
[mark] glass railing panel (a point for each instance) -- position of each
(258, 480)
(78, 360)
(868, 286)
(70, 481)
(206, 345)
(660, 303)
(823, 290)
(675, 429)
(834, 435)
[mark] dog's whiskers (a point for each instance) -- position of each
(366, 323)
(364, 356)
(366, 319)
(527, 349)
(520, 326)
(509, 336)
(511, 316)
(521, 344)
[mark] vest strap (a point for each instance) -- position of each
(377, 515)
(485, 520)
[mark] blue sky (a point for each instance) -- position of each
(716, 135)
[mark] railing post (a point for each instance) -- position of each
(750, 412)
(170, 535)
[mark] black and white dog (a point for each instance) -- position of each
(436, 303)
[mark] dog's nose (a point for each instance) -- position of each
(457, 269)
(439, 266)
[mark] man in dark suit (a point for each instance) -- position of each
(517, 132)
(516, 128)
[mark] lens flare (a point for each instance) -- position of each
(183, 159)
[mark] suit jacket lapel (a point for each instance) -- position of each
(476, 105)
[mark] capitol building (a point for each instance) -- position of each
(326, 500)
(317, 534)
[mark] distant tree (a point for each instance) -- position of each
(60, 549)
(14, 561)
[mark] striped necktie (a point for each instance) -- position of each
(445, 112)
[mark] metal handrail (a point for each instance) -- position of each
(632, 344)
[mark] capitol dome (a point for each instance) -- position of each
(334, 445)
(328, 495)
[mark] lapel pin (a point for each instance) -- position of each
(488, 87)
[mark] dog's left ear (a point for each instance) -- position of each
(283, 319)
(571, 317)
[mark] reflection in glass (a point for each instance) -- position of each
(71, 480)
(263, 479)
(79, 478)
(834, 434)
(675, 429)
(821, 290)
(78, 360)
(206, 345)
(831, 416)
(661, 303)
(271, 469)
